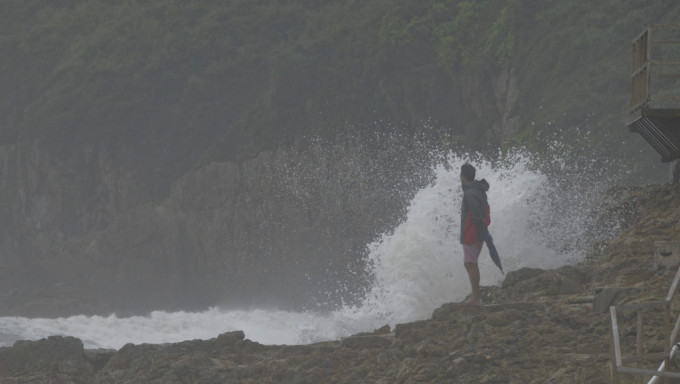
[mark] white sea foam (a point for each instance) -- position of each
(416, 268)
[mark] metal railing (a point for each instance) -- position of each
(654, 62)
(617, 360)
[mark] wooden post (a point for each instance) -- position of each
(648, 62)
(667, 338)
(639, 343)
(613, 345)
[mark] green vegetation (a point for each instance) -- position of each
(175, 83)
(105, 104)
(457, 30)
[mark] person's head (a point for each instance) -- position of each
(467, 173)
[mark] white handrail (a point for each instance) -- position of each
(662, 367)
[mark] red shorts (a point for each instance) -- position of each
(471, 252)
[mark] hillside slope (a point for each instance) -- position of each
(193, 123)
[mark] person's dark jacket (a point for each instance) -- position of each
(475, 214)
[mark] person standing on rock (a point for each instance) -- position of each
(475, 218)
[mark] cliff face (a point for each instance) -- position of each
(50, 204)
(87, 237)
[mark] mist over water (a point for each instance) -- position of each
(538, 220)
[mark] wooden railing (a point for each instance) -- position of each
(651, 61)
(640, 71)
(618, 360)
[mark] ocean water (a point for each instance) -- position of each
(416, 267)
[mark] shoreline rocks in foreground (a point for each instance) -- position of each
(539, 327)
(556, 336)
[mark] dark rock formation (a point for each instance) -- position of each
(51, 360)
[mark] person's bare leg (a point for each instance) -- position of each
(473, 273)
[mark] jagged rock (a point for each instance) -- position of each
(520, 275)
(367, 341)
(234, 337)
(98, 357)
(609, 296)
(568, 287)
(403, 329)
(505, 317)
(531, 281)
(55, 359)
(440, 313)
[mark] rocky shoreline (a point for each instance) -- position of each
(538, 327)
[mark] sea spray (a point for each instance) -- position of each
(538, 220)
(419, 265)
